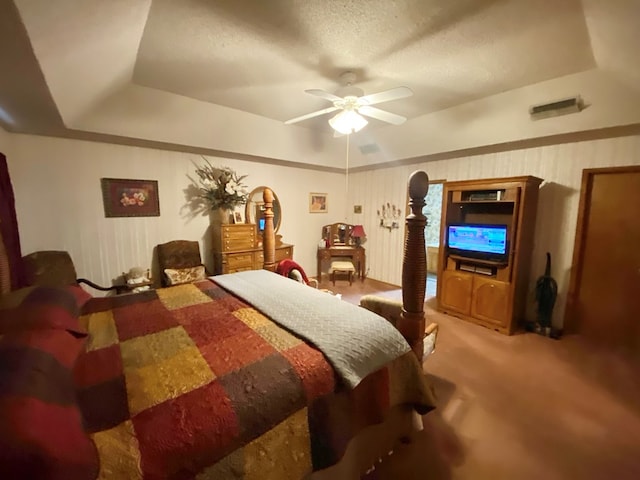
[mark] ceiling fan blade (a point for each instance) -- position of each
(385, 96)
(322, 94)
(311, 115)
(378, 114)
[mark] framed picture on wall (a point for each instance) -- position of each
(318, 203)
(130, 198)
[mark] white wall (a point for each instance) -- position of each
(561, 168)
(59, 202)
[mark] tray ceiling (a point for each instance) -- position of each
(165, 71)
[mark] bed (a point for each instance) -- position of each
(240, 376)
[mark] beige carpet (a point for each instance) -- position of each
(523, 407)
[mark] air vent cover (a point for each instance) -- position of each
(369, 148)
(557, 108)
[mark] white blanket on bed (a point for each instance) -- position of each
(356, 342)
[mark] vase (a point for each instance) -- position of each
(221, 216)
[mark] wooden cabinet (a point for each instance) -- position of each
(490, 301)
(487, 291)
(235, 249)
(456, 291)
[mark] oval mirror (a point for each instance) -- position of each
(254, 208)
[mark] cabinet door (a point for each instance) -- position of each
(456, 291)
(490, 300)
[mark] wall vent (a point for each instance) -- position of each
(369, 148)
(557, 108)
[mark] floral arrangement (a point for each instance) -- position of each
(221, 187)
(133, 197)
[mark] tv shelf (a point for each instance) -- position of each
(491, 293)
(479, 261)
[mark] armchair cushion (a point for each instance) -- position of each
(177, 255)
(385, 307)
(391, 310)
(184, 275)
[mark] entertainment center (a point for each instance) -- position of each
(486, 244)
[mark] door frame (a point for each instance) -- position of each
(570, 315)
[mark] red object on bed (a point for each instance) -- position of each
(286, 265)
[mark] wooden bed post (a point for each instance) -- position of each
(268, 235)
(414, 266)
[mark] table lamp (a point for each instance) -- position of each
(358, 233)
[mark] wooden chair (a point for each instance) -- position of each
(391, 310)
(178, 255)
(341, 265)
(55, 268)
(289, 268)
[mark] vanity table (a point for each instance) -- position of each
(337, 237)
(357, 254)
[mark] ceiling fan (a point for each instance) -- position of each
(353, 104)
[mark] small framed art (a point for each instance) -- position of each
(130, 198)
(237, 217)
(318, 203)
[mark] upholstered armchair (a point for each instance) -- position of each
(55, 268)
(289, 268)
(180, 262)
(391, 311)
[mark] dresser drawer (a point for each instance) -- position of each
(258, 260)
(284, 252)
(232, 245)
(240, 236)
(239, 269)
(239, 260)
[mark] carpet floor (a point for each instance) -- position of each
(519, 407)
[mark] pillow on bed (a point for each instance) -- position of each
(179, 276)
(41, 432)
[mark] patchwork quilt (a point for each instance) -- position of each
(192, 382)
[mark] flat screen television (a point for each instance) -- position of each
(485, 242)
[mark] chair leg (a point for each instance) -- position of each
(333, 278)
(350, 277)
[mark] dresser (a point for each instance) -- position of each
(235, 248)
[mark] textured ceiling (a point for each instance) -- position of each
(73, 68)
(259, 57)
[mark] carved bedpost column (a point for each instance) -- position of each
(414, 266)
(268, 236)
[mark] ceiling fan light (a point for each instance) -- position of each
(347, 122)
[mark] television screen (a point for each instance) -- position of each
(483, 241)
(261, 224)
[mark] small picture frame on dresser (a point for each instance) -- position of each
(237, 217)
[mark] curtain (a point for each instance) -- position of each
(11, 272)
